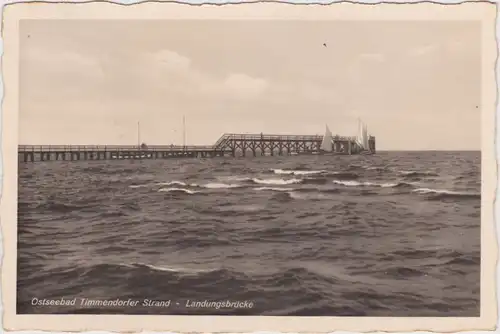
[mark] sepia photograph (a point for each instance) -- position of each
(251, 167)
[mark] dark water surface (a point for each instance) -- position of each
(396, 234)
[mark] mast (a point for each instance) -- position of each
(361, 140)
(184, 131)
(366, 137)
(138, 134)
(363, 135)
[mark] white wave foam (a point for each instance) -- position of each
(171, 269)
(348, 183)
(172, 183)
(365, 184)
(309, 196)
(375, 168)
(220, 186)
(233, 178)
(187, 191)
(134, 186)
(272, 189)
(276, 181)
(388, 185)
(443, 191)
(297, 172)
(241, 207)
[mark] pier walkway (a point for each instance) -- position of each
(229, 144)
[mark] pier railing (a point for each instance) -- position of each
(252, 137)
(110, 148)
(256, 137)
(219, 145)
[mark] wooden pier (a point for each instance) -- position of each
(229, 144)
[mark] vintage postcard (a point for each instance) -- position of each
(252, 167)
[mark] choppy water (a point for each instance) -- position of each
(396, 234)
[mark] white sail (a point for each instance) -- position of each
(365, 137)
(326, 144)
(361, 135)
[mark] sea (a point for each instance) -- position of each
(393, 234)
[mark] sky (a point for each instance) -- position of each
(415, 84)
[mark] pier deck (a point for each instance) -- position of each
(229, 144)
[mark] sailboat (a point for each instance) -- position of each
(327, 143)
(363, 139)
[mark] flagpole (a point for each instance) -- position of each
(138, 134)
(184, 131)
